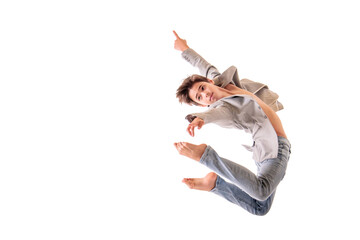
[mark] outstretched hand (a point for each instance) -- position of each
(197, 122)
(180, 44)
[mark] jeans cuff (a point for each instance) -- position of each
(205, 154)
(217, 182)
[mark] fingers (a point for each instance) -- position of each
(190, 130)
(177, 36)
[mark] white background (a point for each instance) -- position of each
(88, 117)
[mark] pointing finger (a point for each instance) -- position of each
(177, 36)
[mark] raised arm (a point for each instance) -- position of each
(205, 68)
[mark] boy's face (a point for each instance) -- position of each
(205, 93)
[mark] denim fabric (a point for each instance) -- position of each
(234, 194)
(254, 193)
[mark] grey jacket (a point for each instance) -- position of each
(231, 76)
(244, 113)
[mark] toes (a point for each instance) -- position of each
(179, 146)
(189, 182)
(183, 145)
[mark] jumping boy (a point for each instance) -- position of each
(233, 107)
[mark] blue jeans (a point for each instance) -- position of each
(254, 193)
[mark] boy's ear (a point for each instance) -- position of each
(211, 81)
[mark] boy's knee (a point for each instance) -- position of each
(263, 207)
(262, 211)
(264, 191)
(262, 195)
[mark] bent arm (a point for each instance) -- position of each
(221, 115)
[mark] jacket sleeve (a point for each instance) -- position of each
(205, 68)
(263, 92)
(230, 75)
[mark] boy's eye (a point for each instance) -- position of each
(202, 89)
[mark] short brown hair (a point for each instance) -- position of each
(182, 92)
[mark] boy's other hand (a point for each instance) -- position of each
(198, 122)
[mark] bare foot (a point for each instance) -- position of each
(205, 184)
(190, 150)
